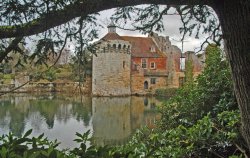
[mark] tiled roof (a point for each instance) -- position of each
(112, 36)
(141, 47)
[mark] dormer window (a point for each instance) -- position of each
(152, 49)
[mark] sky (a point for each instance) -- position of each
(172, 24)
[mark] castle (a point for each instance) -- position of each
(126, 65)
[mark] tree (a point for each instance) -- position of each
(25, 18)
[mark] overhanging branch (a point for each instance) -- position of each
(13, 45)
(80, 8)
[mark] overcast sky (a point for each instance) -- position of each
(171, 24)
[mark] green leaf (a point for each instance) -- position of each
(27, 133)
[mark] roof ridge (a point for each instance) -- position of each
(112, 36)
(136, 37)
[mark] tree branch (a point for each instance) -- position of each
(12, 90)
(80, 8)
(11, 47)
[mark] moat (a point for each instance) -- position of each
(111, 120)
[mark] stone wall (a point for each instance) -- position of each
(163, 43)
(137, 83)
(111, 69)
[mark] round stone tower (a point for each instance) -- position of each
(111, 65)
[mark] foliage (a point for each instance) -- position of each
(203, 139)
(42, 72)
(8, 76)
(41, 147)
(25, 147)
(165, 92)
(211, 92)
(50, 74)
(91, 151)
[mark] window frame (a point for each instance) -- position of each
(144, 63)
(153, 80)
(151, 65)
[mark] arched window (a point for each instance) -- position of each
(146, 85)
(124, 46)
(119, 46)
(114, 46)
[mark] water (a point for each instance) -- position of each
(110, 120)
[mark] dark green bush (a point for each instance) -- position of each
(165, 92)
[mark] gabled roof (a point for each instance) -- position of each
(141, 47)
(112, 36)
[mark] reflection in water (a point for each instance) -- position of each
(111, 120)
(114, 119)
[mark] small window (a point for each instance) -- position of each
(152, 49)
(152, 65)
(153, 80)
(123, 64)
(146, 85)
(114, 46)
(144, 63)
(119, 46)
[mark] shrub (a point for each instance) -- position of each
(165, 92)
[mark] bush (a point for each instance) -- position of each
(8, 76)
(165, 92)
(211, 92)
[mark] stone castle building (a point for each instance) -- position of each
(126, 65)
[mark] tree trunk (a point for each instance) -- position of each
(234, 16)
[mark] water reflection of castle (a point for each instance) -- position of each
(114, 119)
(111, 119)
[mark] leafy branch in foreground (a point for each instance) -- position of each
(14, 147)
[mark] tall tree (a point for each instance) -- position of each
(19, 19)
